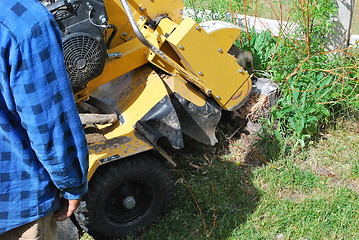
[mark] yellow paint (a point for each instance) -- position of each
(219, 73)
(172, 8)
(133, 56)
(124, 146)
(203, 57)
(178, 85)
(242, 94)
(150, 9)
(164, 29)
(221, 77)
(145, 91)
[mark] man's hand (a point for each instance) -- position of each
(67, 210)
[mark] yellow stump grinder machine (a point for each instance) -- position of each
(142, 73)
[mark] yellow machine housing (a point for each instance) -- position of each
(209, 71)
(162, 75)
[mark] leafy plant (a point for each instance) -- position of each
(315, 84)
(262, 45)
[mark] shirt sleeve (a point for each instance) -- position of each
(46, 107)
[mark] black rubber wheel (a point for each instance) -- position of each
(126, 196)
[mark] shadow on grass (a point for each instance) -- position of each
(213, 194)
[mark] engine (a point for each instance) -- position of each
(82, 23)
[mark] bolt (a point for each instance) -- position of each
(198, 28)
(142, 8)
(200, 73)
(208, 92)
(181, 11)
(142, 18)
(103, 19)
(240, 70)
(220, 50)
(114, 55)
(124, 34)
(218, 97)
(130, 38)
(181, 47)
(129, 203)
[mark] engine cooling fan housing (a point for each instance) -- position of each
(84, 57)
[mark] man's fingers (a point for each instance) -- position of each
(66, 211)
(73, 205)
(60, 215)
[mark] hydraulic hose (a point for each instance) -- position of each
(113, 34)
(135, 28)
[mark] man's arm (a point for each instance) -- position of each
(45, 104)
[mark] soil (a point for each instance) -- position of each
(93, 134)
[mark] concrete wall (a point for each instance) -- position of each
(340, 38)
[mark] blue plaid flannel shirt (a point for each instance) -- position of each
(42, 145)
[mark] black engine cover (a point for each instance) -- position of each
(81, 24)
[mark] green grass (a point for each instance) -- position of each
(252, 200)
(241, 197)
(327, 216)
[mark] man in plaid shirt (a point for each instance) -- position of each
(43, 151)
